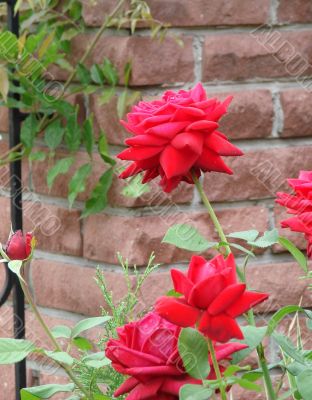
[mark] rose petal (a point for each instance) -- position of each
(220, 328)
(227, 297)
(177, 162)
(181, 283)
(245, 302)
(177, 311)
(211, 161)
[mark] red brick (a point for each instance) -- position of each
(258, 174)
(296, 105)
(137, 237)
(186, 13)
(4, 122)
(297, 238)
(257, 55)
(250, 114)
(72, 287)
(175, 64)
(294, 11)
(282, 283)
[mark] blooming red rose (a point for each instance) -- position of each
(212, 298)
(19, 247)
(300, 205)
(147, 352)
(175, 135)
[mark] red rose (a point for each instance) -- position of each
(175, 135)
(300, 205)
(18, 247)
(212, 298)
(147, 351)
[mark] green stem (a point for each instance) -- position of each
(211, 212)
(260, 349)
(216, 368)
(55, 344)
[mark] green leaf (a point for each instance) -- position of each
(107, 95)
(82, 343)
(73, 132)
(29, 131)
(98, 199)
(279, 316)
(53, 135)
(246, 384)
(193, 349)
(78, 182)
(122, 104)
(187, 237)
(194, 392)
(97, 74)
(304, 384)
(295, 252)
(14, 350)
(253, 336)
(15, 266)
(87, 135)
(104, 151)
(61, 167)
(38, 156)
(88, 323)
(60, 357)
(232, 369)
(135, 188)
(83, 74)
(96, 360)
(61, 331)
(287, 347)
(110, 72)
(45, 391)
(268, 239)
(173, 293)
(127, 73)
(245, 235)
(239, 247)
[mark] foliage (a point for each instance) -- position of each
(48, 28)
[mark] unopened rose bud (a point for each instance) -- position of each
(19, 247)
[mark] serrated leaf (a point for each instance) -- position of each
(110, 72)
(97, 74)
(193, 349)
(53, 135)
(295, 252)
(87, 135)
(98, 199)
(245, 235)
(60, 357)
(87, 324)
(61, 167)
(194, 392)
(253, 336)
(187, 237)
(46, 391)
(96, 360)
(135, 188)
(61, 331)
(83, 74)
(82, 343)
(104, 150)
(268, 239)
(14, 350)
(73, 132)
(78, 182)
(29, 131)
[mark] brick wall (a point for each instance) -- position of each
(232, 48)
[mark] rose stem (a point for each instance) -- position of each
(260, 349)
(211, 212)
(216, 368)
(51, 337)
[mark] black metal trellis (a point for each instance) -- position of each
(12, 283)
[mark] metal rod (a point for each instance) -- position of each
(16, 212)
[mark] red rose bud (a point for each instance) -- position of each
(175, 136)
(212, 298)
(299, 205)
(147, 352)
(18, 247)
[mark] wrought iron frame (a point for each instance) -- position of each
(12, 284)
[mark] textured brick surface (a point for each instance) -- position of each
(259, 55)
(176, 63)
(258, 174)
(137, 237)
(295, 11)
(296, 104)
(81, 296)
(190, 13)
